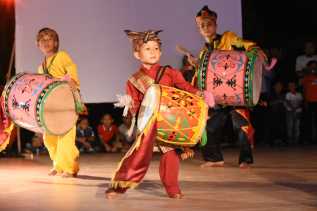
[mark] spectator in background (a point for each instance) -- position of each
(310, 95)
(125, 137)
(36, 145)
(302, 60)
(293, 105)
(108, 134)
(277, 115)
(85, 136)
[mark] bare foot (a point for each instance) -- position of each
(213, 164)
(176, 196)
(69, 175)
(244, 166)
(52, 172)
(112, 194)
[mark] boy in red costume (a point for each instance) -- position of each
(132, 168)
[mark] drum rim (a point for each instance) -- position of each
(254, 59)
(40, 106)
(257, 74)
(249, 76)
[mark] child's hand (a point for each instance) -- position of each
(188, 153)
(200, 93)
(72, 84)
(209, 99)
(263, 103)
(192, 60)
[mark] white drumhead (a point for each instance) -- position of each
(149, 106)
(257, 80)
(59, 110)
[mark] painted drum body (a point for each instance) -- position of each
(40, 103)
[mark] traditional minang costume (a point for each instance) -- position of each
(135, 163)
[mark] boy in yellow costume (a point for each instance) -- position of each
(62, 149)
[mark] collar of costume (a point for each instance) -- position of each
(154, 67)
(142, 80)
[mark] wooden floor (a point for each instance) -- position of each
(281, 179)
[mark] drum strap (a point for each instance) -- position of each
(45, 67)
(160, 74)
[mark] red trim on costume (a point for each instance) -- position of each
(248, 129)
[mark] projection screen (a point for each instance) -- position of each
(91, 31)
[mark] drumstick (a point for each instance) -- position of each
(191, 59)
(182, 50)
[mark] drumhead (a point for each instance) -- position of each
(57, 113)
(149, 106)
(257, 81)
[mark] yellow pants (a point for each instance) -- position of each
(63, 151)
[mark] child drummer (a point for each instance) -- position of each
(147, 49)
(206, 21)
(62, 149)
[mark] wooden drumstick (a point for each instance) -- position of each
(182, 50)
(191, 59)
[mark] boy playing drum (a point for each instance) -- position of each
(132, 168)
(62, 149)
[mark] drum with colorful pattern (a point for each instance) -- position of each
(180, 116)
(235, 77)
(40, 103)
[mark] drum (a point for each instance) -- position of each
(235, 77)
(40, 103)
(181, 116)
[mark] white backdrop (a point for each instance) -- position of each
(91, 31)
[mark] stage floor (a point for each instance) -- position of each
(281, 179)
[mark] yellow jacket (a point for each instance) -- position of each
(59, 65)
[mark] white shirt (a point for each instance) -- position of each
(293, 101)
(302, 60)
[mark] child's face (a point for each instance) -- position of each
(309, 48)
(127, 121)
(312, 66)
(47, 44)
(107, 120)
(207, 28)
(84, 124)
(278, 87)
(149, 53)
(292, 87)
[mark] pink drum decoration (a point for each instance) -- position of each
(234, 77)
(40, 103)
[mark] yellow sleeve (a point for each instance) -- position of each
(69, 66)
(230, 39)
(40, 69)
